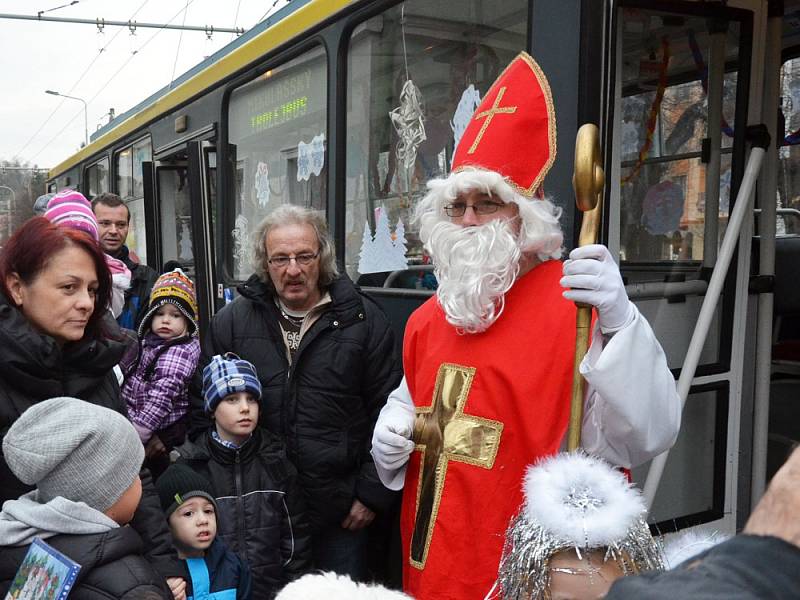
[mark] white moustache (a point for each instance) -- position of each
(475, 267)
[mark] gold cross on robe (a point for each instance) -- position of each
(488, 115)
(443, 433)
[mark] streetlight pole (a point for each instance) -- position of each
(85, 113)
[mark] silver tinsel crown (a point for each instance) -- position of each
(574, 502)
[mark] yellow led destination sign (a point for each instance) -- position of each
(286, 96)
(279, 115)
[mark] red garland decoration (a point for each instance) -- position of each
(654, 110)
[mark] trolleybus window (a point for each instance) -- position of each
(176, 213)
(680, 118)
(452, 52)
(788, 187)
(277, 126)
(668, 62)
(130, 187)
(97, 178)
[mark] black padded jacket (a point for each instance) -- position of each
(112, 566)
(261, 513)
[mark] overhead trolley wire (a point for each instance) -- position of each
(114, 76)
(74, 85)
(178, 49)
(271, 8)
(129, 23)
(236, 17)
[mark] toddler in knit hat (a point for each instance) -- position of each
(157, 379)
(84, 461)
(191, 508)
(71, 209)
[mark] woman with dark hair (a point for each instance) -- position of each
(54, 289)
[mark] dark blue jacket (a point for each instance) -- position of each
(220, 573)
(137, 296)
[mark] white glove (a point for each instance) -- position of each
(391, 444)
(594, 278)
(391, 440)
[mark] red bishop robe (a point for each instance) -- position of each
(522, 380)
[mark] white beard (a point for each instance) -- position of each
(475, 267)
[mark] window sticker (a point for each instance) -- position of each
(470, 99)
(185, 242)
(385, 251)
(310, 157)
(261, 182)
(240, 235)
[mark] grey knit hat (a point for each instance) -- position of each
(71, 448)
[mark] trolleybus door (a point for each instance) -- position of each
(682, 73)
(202, 166)
(182, 192)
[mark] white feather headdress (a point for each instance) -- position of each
(688, 544)
(574, 501)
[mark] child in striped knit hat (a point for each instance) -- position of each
(157, 382)
(71, 209)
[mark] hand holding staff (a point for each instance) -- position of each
(588, 182)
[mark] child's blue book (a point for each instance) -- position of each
(45, 574)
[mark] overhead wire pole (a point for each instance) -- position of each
(131, 24)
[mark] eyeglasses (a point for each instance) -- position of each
(283, 261)
(483, 207)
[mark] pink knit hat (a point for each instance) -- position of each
(71, 209)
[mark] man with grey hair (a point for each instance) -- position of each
(326, 358)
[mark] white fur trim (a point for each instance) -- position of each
(614, 504)
(330, 586)
(687, 544)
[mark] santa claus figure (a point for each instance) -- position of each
(488, 361)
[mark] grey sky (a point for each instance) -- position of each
(38, 56)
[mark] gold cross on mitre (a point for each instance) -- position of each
(489, 115)
(443, 433)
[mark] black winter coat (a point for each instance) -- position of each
(112, 566)
(261, 513)
(34, 368)
(745, 567)
(325, 406)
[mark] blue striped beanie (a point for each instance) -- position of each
(228, 374)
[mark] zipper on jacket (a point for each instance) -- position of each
(237, 471)
(288, 394)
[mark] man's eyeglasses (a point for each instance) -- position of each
(300, 259)
(483, 207)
